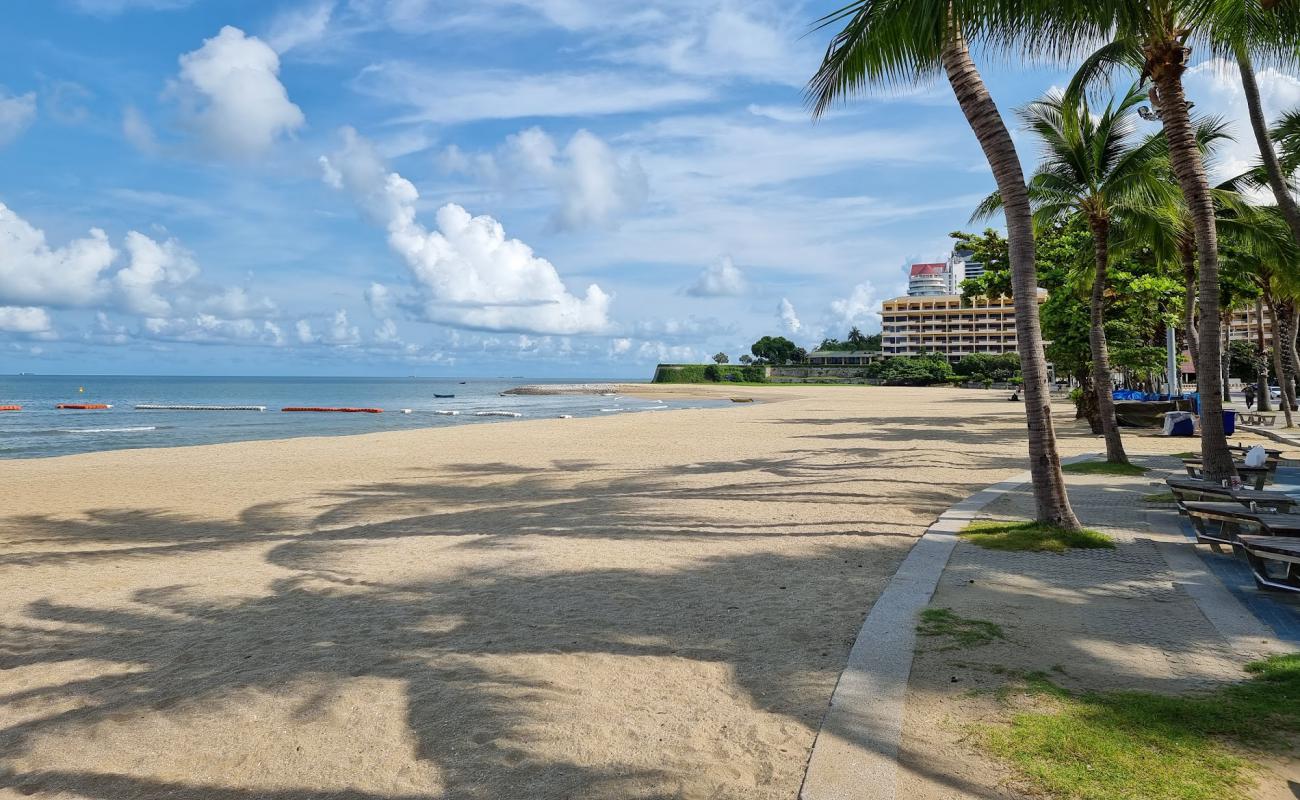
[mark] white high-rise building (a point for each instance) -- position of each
(943, 278)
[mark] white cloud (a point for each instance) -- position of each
(452, 97)
(235, 301)
(723, 279)
(1215, 87)
(337, 330)
(593, 185)
(469, 273)
(386, 333)
(24, 319)
(152, 265)
(788, 316)
(16, 113)
(861, 308)
(211, 329)
(33, 272)
(303, 328)
(299, 26)
(380, 300)
(232, 97)
(137, 131)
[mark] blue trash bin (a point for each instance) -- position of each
(1229, 422)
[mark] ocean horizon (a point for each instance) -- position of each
(42, 430)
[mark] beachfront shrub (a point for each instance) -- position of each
(709, 373)
(924, 370)
(986, 368)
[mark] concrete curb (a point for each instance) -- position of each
(855, 755)
(1268, 434)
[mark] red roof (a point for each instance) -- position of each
(928, 269)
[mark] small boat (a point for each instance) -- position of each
(444, 396)
(406, 411)
(462, 383)
(742, 399)
(84, 406)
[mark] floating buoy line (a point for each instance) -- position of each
(160, 407)
(84, 406)
(336, 410)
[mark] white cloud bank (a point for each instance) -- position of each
(231, 95)
(469, 274)
(1215, 85)
(723, 279)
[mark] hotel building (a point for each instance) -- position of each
(913, 325)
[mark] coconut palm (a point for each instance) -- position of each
(885, 42)
(1096, 170)
(1157, 38)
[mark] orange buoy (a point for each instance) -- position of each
(11, 408)
(84, 406)
(342, 410)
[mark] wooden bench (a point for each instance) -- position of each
(1256, 418)
(1223, 523)
(1270, 452)
(1257, 476)
(1278, 552)
(1192, 490)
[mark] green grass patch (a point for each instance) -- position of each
(1143, 746)
(1102, 468)
(1160, 497)
(1188, 454)
(1033, 536)
(964, 632)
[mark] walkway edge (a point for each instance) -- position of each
(855, 755)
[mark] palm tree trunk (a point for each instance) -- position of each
(1265, 402)
(1225, 362)
(1185, 157)
(1289, 355)
(1285, 202)
(982, 114)
(1187, 251)
(1097, 340)
(1285, 400)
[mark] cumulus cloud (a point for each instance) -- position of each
(16, 113)
(468, 272)
(723, 279)
(33, 272)
(24, 319)
(788, 316)
(594, 186)
(153, 265)
(336, 330)
(860, 308)
(232, 97)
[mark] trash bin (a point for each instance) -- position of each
(1179, 423)
(1229, 421)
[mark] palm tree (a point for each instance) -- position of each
(1157, 38)
(908, 41)
(1095, 171)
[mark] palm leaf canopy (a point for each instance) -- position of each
(889, 43)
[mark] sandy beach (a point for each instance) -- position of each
(634, 606)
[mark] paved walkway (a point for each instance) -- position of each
(1154, 614)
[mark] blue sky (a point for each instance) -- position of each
(392, 187)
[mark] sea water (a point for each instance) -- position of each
(41, 430)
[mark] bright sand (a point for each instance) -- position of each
(635, 606)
